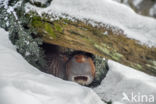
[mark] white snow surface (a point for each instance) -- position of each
(108, 12)
(21, 83)
(153, 10)
(122, 80)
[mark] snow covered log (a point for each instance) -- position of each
(103, 31)
(99, 40)
(104, 28)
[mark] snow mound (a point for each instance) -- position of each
(123, 81)
(21, 83)
(108, 12)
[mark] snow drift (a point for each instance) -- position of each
(21, 83)
(123, 81)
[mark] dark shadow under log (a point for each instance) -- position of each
(59, 57)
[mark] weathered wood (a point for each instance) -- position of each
(99, 40)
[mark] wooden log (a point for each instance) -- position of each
(100, 40)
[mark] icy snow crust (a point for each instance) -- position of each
(108, 12)
(21, 83)
(124, 80)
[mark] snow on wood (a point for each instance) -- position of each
(108, 12)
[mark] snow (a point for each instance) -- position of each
(122, 80)
(10, 9)
(137, 2)
(105, 33)
(108, 12)
(21, 83)
(153, 10)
